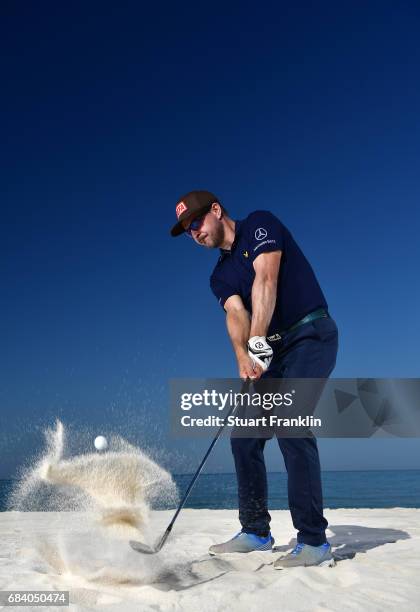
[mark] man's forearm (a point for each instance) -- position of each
(238, 326)
(264, 295)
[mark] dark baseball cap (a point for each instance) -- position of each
(190, 206)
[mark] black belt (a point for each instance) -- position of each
(319, 313)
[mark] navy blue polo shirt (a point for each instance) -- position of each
(298, 291)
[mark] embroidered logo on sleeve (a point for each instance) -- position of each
(260, 233)
(263, 243)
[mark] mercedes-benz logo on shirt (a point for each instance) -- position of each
(260, 233)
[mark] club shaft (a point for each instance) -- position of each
(200, 467)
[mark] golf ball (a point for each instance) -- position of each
(100, 443)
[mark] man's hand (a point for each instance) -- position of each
(260, 351)
(247, 368)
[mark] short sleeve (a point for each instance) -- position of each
(265, 233)
(221, 290)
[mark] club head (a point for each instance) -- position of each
(142, 548)
(148, 550)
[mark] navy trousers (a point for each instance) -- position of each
(310, 351)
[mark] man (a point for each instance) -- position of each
(277, 319)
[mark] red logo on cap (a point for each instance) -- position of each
(180, 208)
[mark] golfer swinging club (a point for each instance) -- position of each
(277, 319)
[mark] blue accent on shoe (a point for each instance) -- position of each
(243, 542)
(259, 540)
(297, 548)
(300, 545)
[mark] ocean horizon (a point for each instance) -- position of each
(341, 488)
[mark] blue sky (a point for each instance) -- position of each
(110, 113)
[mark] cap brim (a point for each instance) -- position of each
(177, 229)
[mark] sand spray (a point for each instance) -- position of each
(97, 502)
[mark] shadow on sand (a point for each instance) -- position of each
(350, 540)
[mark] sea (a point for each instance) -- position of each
(341, 489)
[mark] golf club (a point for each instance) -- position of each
(149, 550)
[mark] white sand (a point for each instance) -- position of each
(379, 567)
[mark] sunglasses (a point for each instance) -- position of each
(196, 224)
